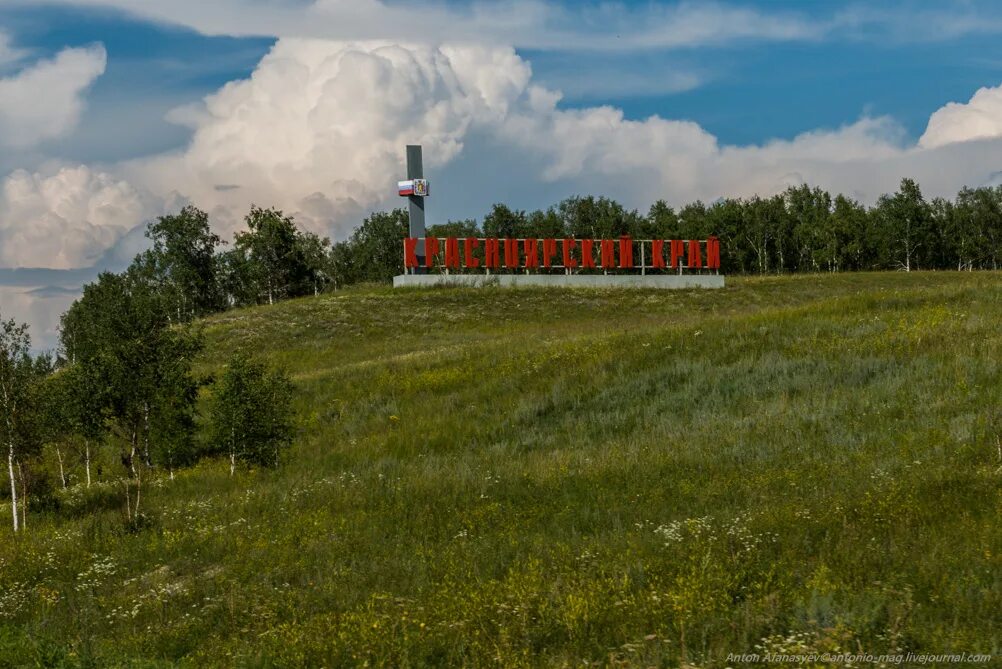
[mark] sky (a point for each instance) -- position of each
(114, 112)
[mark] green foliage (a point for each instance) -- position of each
(251, 413)
(662, 222)
(374, 252)
(598, 218)
(503, 222)
(804, 229)
(467, 228)
(75, 402)
(316, 254)
(133, 367)
(17, 375)
(182, 264)
(907, 229)
(23, 423)
(236, 278)
(276, 259)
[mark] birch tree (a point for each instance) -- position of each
(251, 413)
(86, 414)
(74, 416)
(19, 374)
(906, 220)
(124, 344)
(183, 263)
(274, 257)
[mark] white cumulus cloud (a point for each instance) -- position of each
(979, 118)
(319, 129)
(45, 100)
(67, 219)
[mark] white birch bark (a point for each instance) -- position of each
(128, 500)
(13, 486)
(10, 455)
(24, 498)
(62, 473)
(139, 487)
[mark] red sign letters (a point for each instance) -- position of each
(491, 253)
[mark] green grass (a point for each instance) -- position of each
(507, 478)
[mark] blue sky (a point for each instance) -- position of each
(113, 112)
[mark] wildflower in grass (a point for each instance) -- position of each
(99, 570)
(12, 598)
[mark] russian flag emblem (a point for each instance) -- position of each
(418, 187)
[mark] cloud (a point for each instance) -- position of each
(979, 118)
(8, 53)
(603, 76)
(68, 219)
(570, 26)
(40, 308)
(908, 23)
(319, 127)
(319, 130)
(44, 101)
(534, 24)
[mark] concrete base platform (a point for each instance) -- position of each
(664, 281)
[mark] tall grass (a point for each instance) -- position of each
(503, 477)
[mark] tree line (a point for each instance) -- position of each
(123, 381)
(803, 229)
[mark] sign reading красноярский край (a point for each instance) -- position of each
(455, 253)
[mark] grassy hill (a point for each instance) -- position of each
(527, 477)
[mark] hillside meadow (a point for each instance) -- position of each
(524, 477)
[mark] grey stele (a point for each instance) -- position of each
(415, 170)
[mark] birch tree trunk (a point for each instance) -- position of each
(128, 500)
(132, 455)
(10, 454)
(62, 474)
(13, 486)
(139, 487)
(24, 498)
(146, 434)
(87, 460)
